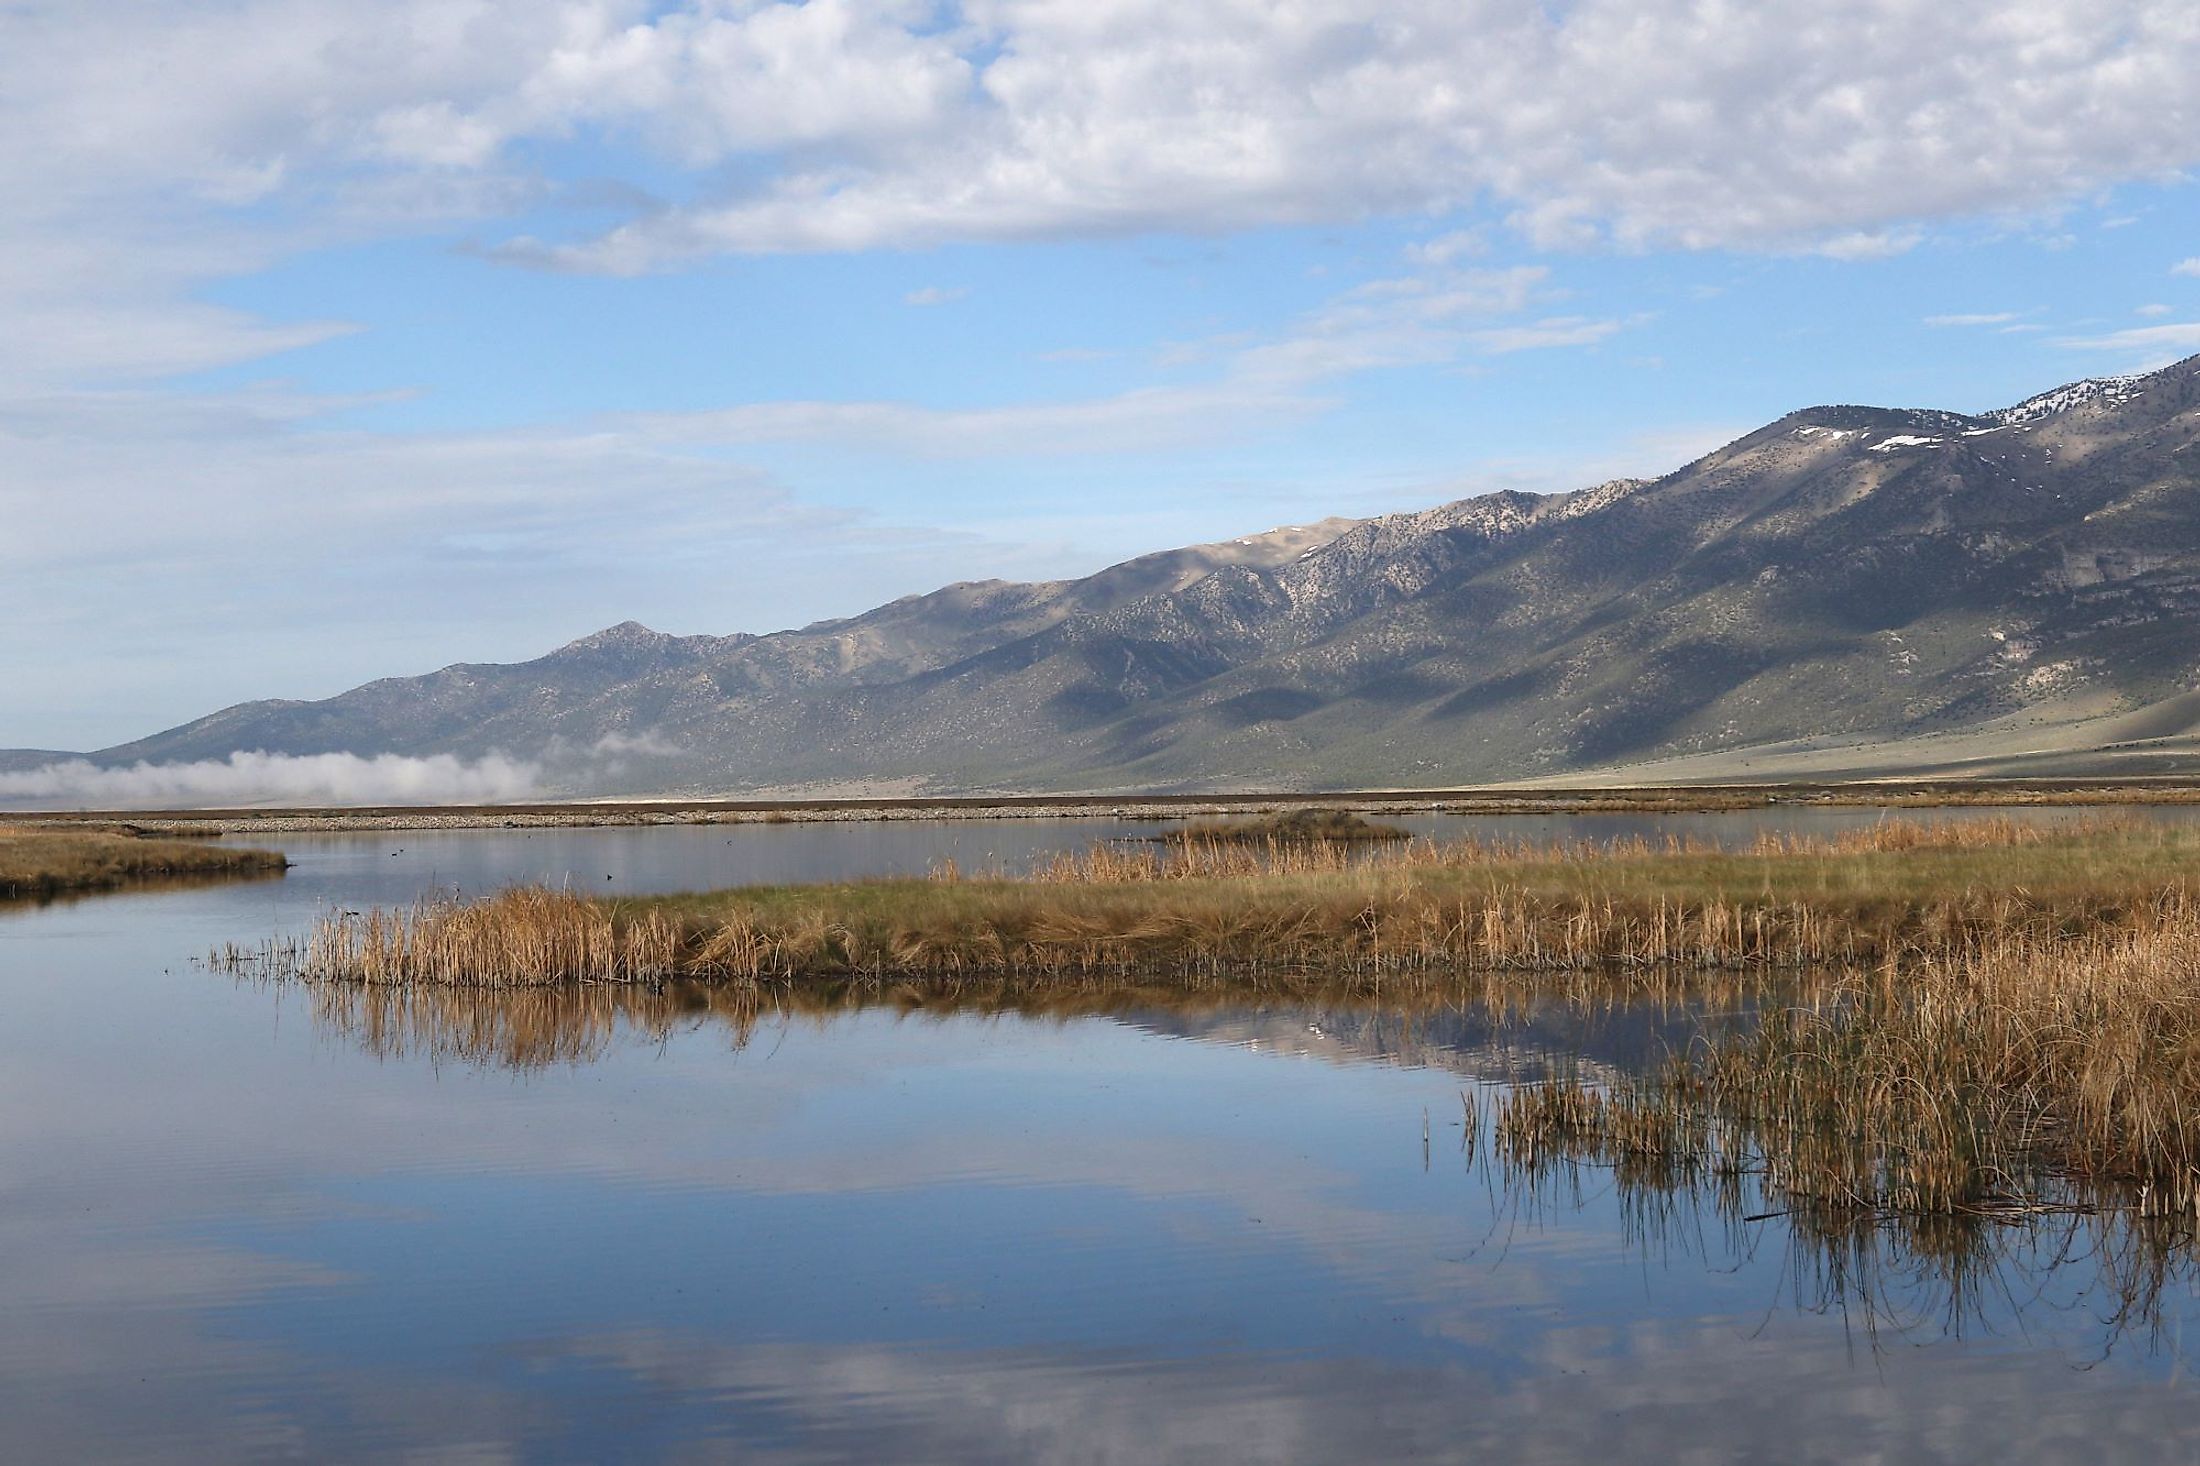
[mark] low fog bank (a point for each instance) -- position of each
(263, 779)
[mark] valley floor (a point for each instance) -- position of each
(1555, 797)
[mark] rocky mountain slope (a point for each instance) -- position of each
(1846, 576)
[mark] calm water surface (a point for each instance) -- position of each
(240, 1222)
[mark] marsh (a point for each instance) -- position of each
(249, 1218)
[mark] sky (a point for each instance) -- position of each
(350, 338)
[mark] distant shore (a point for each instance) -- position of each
(1679, 799)
(36, 863)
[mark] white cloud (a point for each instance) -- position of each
(1840, 128)
(1447, 249)
(1149, 418)
(1543, 334)
(166, 148)
(256, 777)
(935, 295)
(1984, 318)
(146, 527)
(2155, 312)
(1868, 244)
(270, 778)
(2148, 346)
(1639, 455)
(851, 124)
(2186, 267)
(88, 479)
(1432, 318)
(173, 519)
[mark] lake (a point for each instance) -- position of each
(243, 1221)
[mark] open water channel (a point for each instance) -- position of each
(242, 1221)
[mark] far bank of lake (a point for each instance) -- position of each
(1786, 801)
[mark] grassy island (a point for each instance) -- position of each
(1202, 911)
(39, 861)
(1292, 827)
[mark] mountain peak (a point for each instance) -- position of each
(626, 636)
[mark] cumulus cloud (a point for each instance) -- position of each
(273, 778)
(1983, 318)
(1840, 128)
(2186, 267)
(850, 124)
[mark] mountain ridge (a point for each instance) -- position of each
(1844, 572)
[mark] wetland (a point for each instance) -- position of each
(1333, 1209)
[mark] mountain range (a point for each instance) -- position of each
(1849, 590)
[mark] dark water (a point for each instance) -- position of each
(240, 1222)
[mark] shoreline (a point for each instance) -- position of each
(40, 864)
(1678, 799)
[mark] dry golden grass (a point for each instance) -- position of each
(528, 936)
(1210, 911)
(46, 861)
(2022, 1074)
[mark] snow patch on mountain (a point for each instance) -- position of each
(2114, 391)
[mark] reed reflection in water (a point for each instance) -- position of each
(1498, 1028)
(2082, 1254)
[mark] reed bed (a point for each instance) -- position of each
(1296, 826)
(528, 936)
(2009, 1079)
(39, 861)
(1202, 912)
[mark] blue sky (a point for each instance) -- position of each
(349, 340)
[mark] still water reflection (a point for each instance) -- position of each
(251, 1222)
